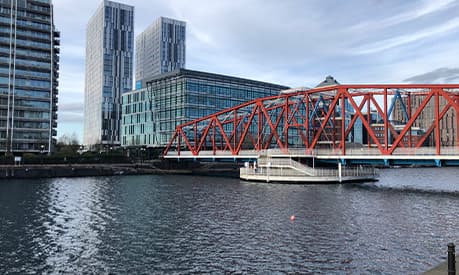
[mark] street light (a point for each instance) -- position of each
(42, 150)
(142, 152)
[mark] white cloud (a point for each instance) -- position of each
(431, 33)
(418, 11)
(295, 43)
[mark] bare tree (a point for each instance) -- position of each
(68, 140)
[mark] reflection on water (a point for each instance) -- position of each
(76, 218)
(165, 224)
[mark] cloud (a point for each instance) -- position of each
(407, 38)
(74, 107)
(294, 43)
(414, 12)
(70, 112)
(440, 75)
(65, 117)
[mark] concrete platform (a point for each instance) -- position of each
(441, 269)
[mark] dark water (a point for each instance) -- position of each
(180, 224)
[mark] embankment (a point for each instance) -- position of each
(95, 170)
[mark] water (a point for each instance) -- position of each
(182, 224)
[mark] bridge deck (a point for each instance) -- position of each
(447, 153)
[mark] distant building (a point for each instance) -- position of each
(150, 116)
(109, 59)
(448, 125)
(160, 49)
(329, 81)
(29, 49)
(331, 134)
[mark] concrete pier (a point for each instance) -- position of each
(441, 269)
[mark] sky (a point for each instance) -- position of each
(296, 43)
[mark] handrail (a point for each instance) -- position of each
(304, 169)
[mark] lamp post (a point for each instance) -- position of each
(42, 150)
(142, 152)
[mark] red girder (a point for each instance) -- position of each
(432, 127)
(387, 126)
(280, 114)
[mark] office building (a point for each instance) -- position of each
(29, 49)
(109, 59)
(160, 49)
(151, 114)
(448, 125)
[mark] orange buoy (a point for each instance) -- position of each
(292, 217)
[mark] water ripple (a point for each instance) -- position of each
(182, 225)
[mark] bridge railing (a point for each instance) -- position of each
(422, 151)
(316, 172)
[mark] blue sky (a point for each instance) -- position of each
(294, 43)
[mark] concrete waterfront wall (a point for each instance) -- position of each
(55, 171)
(94, 170)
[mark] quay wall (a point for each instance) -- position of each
(95, 170)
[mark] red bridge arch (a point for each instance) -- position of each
(326, 116)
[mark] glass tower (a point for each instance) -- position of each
(29, 48)
(160, 49)
(109, 56)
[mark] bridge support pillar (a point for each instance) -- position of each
(386, 162)
(438, 162)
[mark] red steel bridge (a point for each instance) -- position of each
(386, 121)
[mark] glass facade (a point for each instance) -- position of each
(151, 114)
(29, 49)
(160, 49)
(109, 59)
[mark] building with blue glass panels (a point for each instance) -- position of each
(29, 48)
(109, 66)
(151, 114)
(160, 49)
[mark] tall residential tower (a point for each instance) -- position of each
(109, 58)
(29, 48)
(160, 49)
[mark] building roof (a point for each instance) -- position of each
(213, 76)
(329, 81)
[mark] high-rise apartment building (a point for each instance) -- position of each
(109, 59)
(160, 49)
(29, 48)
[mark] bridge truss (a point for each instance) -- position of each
(381, 117)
